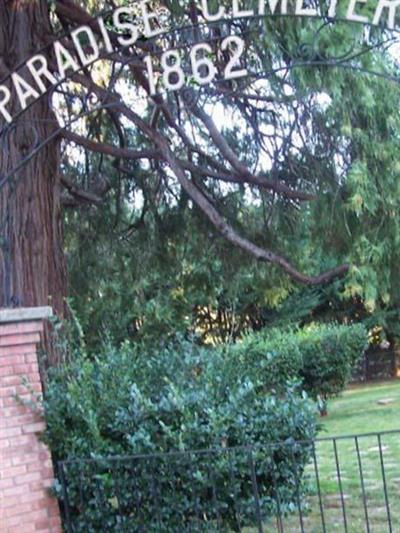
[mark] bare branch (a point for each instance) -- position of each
(108, 149)
(82, 195)
(241, 169)
(217, 220)
(162, 147)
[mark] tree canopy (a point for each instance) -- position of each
(183, 205)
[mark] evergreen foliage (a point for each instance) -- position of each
(137, 401)
(321, 356)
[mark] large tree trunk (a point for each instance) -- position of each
(32, 264)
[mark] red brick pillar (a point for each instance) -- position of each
(26, 471)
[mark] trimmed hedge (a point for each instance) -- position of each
(135, 401)
(270, 358)
(322, 356)
(329, 354)
(129, 402)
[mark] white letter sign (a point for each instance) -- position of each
(23, 89)
(39, 69)
(5, 97)
(208, 16)
(83, 56)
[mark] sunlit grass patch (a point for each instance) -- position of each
(353, 478)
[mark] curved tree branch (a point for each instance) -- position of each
(108, 149)
(81, 195)
(163, 151)
(215, 217)
(239, 167)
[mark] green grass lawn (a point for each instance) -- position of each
(357, 411)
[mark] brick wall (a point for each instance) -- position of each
(26, 471)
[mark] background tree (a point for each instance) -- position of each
(297, 169)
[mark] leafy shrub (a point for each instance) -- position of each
(330, 352)
(322, 356)
(129, 402)
(270, 358)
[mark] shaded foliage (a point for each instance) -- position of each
(148, 256)
(321, 356)
(135, 401)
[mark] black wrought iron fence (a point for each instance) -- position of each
(376, 366)
(349, 484)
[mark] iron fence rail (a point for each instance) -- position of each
(349, 483)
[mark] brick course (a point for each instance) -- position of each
(26, 470)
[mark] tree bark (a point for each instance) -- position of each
(32, 263)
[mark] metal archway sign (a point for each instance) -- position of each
(87, 47)
(210, 56)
